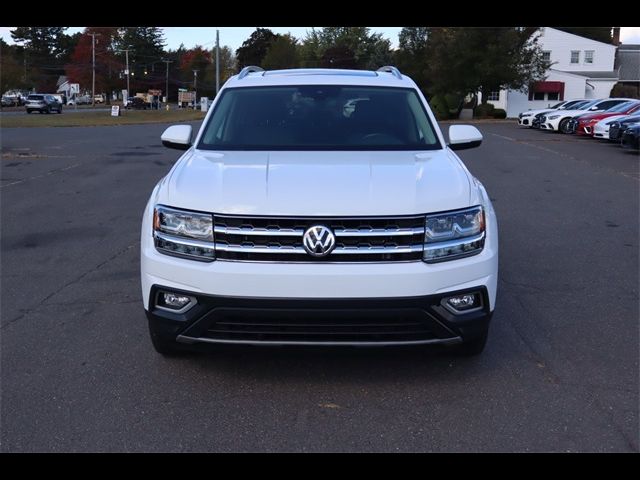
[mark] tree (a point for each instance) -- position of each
(411, 56)
(601, 34)
(282, 53)
(369, 51)
(146, 48)
(254, 49)
(108, 67)
(42, 49)
(468, 60)
(12, 71)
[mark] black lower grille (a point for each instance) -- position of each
(324, 326)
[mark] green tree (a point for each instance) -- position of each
(12, 71)
(468, 60)
(254, 49)
(42, 50)
(601, 34)
(282, 53)
(146, 46)
(411, 55)
(369, 51)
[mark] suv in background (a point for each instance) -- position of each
(319, 207)
(99, 98)
(43, 103)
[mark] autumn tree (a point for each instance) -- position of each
(108, 67)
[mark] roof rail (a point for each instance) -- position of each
(390, 69)
(247, 70)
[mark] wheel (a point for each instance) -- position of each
(563, 125)
(48, 110)
(60, 109)
(472, 347)
(29, 111)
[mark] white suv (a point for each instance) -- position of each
(319, 207)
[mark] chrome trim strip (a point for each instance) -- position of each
(339, 232)
(282, 232)
(434, 341)
(301, 250)
(378, 232)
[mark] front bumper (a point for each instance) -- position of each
(322, 322)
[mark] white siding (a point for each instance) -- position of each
(602, 88)
(560, 44)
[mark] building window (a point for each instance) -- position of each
(538, 95)
(553, 96)
(494, 96)
(575, 56)
(546, 56)
(588, 56)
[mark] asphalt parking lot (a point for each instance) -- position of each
(78, 373)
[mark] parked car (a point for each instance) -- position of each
(559, 121)
(630, 138)
(79, 100)
(584, 124)
(136, 103)
(7, 101)
(98, 98)
(617, 127)
(43, 103)
(526, 118)
(326, 225)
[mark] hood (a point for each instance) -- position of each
(317, 183)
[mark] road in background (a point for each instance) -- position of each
(560, 371)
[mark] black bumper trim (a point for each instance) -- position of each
(324, 322)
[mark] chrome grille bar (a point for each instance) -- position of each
(221, 247)
(339, 232)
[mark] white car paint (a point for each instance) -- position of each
(314, 183)
(601, 129)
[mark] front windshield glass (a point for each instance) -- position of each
(622, 107)
(588, 105)
(319, 117)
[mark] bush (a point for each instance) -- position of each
(499, 113)
(454, 102)
(484, 110)
(439, 106)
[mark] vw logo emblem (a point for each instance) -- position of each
(318, 241)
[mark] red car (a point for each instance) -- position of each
(587, 121)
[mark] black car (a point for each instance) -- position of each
(619, 126)
(43, 103)
(630, 138)
(137, 103)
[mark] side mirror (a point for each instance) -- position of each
(177, 136)
(462, 137)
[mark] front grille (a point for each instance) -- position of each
(326, 325)
(365, 239)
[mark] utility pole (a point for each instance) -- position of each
(217, 61)
(93, 84)
(167, 86)
(195, 88)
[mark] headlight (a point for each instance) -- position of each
(525, 114)
(553, 117)
(183, 233)
(454, 235)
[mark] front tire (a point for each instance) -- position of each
(562, 128)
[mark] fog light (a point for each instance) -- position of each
(175, 302)
(464, 302)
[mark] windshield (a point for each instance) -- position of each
(319, 117)
(572, 104)
(623, 107)
(587, 105)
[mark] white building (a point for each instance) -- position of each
(580, 68)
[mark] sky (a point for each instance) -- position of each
(234, 36)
